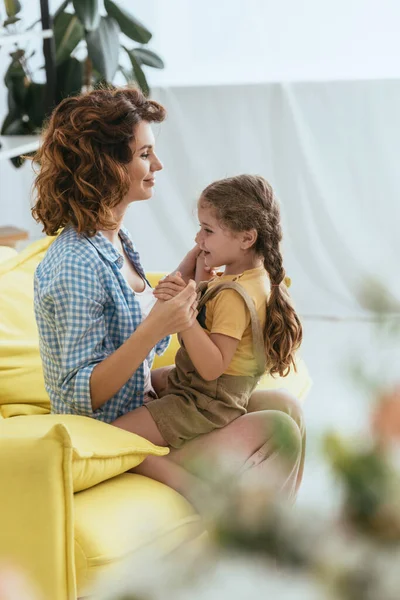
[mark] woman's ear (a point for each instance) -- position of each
(249, 238)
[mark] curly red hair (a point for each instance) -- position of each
(84, 156)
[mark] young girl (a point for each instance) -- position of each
(246, 323)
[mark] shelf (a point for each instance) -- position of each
(10, 236)
(14, 145)
(5, 40)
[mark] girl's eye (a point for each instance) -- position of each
(146, 155)
(208, 230)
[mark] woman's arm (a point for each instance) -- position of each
(165, 318)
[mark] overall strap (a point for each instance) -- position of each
(258, 338)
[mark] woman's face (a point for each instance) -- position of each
(144, 165)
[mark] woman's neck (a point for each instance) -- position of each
(112, 235)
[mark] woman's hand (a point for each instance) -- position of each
(175, 315)
(169, 286)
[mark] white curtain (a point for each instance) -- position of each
(331, 152)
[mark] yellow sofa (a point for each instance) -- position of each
(69, 510)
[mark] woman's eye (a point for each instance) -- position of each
(146, 155)
(208, 230)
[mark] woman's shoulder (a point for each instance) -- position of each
(70, 251)
(71, 246)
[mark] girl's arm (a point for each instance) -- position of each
(210, 354)
(193, 267)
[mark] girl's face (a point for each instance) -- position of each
(144, 165)
(219, 244)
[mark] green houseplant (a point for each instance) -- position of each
(85, 51)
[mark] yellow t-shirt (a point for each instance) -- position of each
(227, 314)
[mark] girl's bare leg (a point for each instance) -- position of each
(161, 468)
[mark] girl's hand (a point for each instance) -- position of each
(203, 273)
(187, 267)
(169, 286)
(175, 315)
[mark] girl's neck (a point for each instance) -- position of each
(246, 263)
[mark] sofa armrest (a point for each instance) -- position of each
(36, 508)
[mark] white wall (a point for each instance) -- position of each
(237, 41)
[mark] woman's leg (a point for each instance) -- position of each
(267, 444)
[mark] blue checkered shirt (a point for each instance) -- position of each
(85, 310)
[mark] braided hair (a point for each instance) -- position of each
(247, 202)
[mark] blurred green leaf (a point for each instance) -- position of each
(87, 12)
(12, 7)
(17, 161)
(103, 47)
(7, 122)
(16, 127)
(16, 83)
(128, 74)
(60, 9)
(69, 78)
(11, 21)
(137, 72)
(130, 26)
(149, 58)
(68, 32)
(35, 103)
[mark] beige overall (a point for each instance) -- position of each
(191, 406)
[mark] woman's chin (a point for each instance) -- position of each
(146, 195)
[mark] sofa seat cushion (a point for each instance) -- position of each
(117, 517)
(99, 450)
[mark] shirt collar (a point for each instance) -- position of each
(126, 238)
(104, 247)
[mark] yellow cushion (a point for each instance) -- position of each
(21, 373)
(143, 512)
(18, 410)
(6, 252)
(298, 383)
(99, 451)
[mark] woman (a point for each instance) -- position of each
(99, 324)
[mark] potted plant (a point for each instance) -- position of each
(85, 51)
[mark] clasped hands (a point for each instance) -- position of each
(192, 267)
